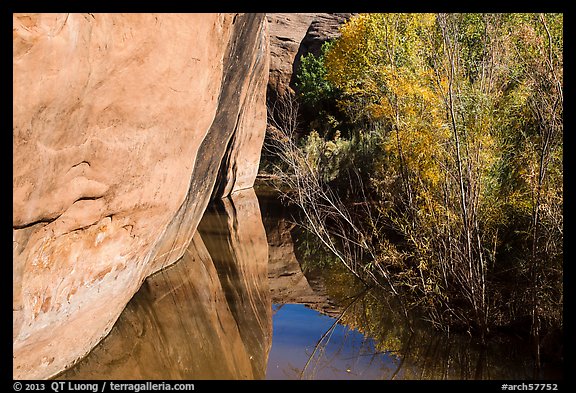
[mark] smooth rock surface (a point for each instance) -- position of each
(208, 316)
(286, 32)
(121, 123)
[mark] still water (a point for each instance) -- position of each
(250, 299)
(309, 345)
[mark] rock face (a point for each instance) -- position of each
(206, 317)
(293, 35)
(124, 127)
(286, 33)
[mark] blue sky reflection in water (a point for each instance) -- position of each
(342, 354)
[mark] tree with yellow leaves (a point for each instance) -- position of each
(463, 113)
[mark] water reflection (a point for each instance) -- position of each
(288, 283)
(210, 316)
(311, 345)
(425, 353)
(206, 317)
(234, 236)
(396, 351)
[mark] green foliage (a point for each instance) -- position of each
(318, 96)
(314, 90)
(312, 256)
(327, 156)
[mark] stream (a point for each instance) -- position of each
(253, 298)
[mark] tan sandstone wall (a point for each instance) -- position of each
(209, 316)
(121, 125)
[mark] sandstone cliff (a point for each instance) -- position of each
(206, 317)
(124, 127)
(286, 32)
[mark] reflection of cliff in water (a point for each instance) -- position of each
(206, 317)
(288, 282)
(210, 315)
(234, 236)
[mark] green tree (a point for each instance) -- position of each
(314, 90)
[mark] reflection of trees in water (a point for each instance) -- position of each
(424, 353)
